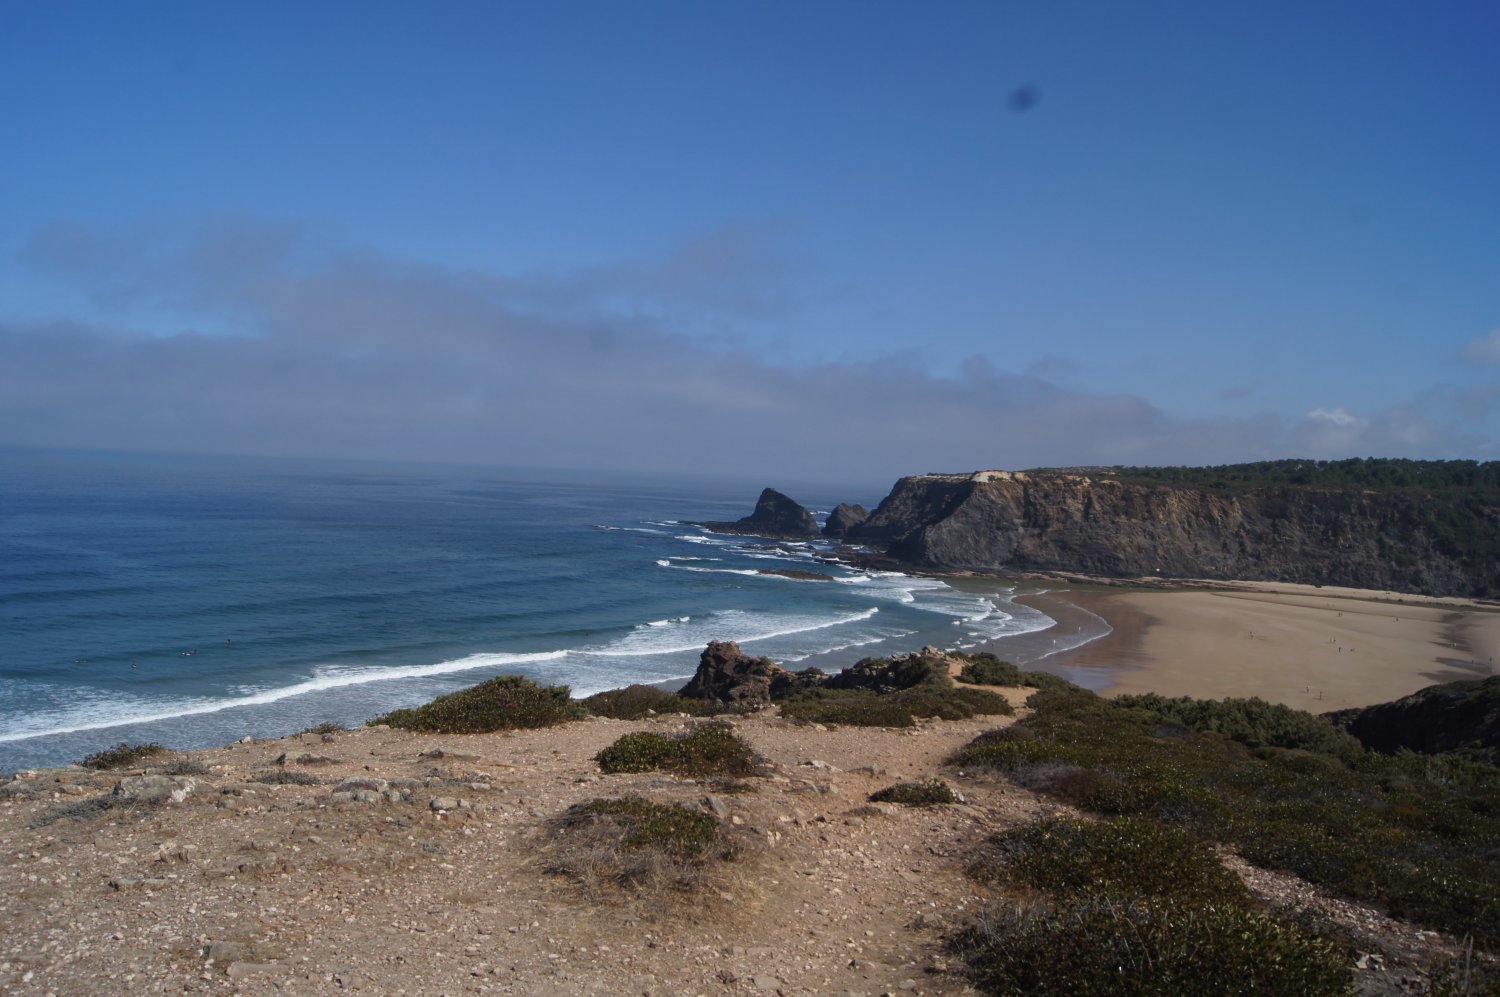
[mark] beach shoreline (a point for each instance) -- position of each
(1312, 648)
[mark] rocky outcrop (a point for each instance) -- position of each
(729, 675)
(928, 666)
(1095, 524)
(775, 515)
(1458, 716)
(844, 518)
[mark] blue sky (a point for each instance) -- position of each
(824, 239)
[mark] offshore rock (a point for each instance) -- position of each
(1096, 524)
(844, 518)
(775, 515)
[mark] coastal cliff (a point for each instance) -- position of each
(1102, 523)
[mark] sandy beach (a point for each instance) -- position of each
(1316, 649)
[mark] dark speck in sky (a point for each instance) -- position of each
(1023, 99)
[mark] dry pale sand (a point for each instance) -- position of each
(1317, 649)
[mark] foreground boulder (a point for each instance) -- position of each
(729, 675)
(775, 515)
(928, 666)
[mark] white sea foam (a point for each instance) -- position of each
(1071, 641)
(732, 624)
(111, 711)
(861, 642)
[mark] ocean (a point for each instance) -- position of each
(192, 601)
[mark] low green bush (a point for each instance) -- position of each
(952, 703)
(928, 793)
(122, 755)
(506, 702)
(646, 848)
(1254, 722)
(283, 777)
(846, 707)
(636, 701)
(986, 669)
(711, 750)
(1374, 830)
(860, 708)
(1126, 856)
(1149, 946)
(670, 828)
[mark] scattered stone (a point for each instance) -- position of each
(240, 970)
(225, 952)
(154, 788)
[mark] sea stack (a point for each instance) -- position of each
(775, 515)
(844, 518)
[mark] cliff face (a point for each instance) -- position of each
(1054, 521)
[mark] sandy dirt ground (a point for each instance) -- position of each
(243, 887)
(1315, 649)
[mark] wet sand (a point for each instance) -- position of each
(1315, 649)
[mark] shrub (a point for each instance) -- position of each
(859, 708)
(643, 846)
(326, 727)
(928, 793)
(670, 828)
(283, 777)
(851, 708)
(1102, 944)
(636, 701)
(122, 755)
(1125, 856)
(711, 750)
(1254, 722)
(952, 703)
(506, 702)
(1375, 831)
(986, 669)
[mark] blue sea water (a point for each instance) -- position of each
(192, 601)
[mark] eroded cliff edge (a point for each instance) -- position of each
(1406, 540)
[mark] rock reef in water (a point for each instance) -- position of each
(775, 515)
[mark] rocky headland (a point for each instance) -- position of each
(1107, 524)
